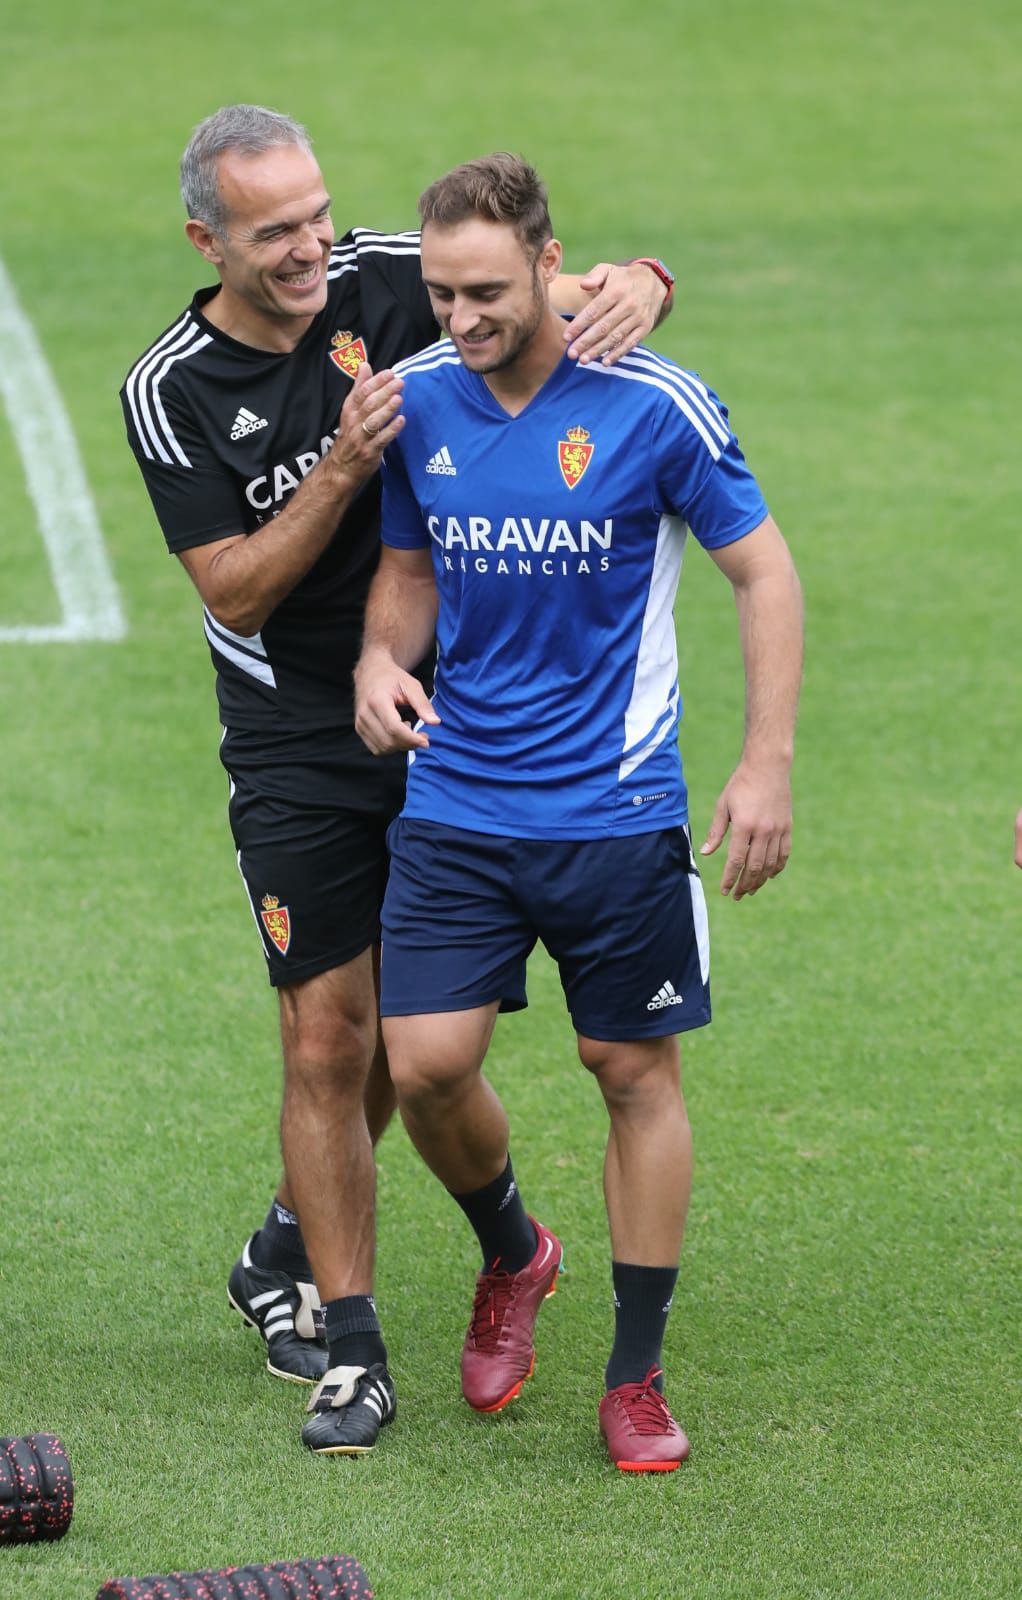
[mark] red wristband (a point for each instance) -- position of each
(662, 271)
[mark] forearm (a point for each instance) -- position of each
(243, 579)
(666, 307)
(400, 617)
(755, 803)
(770, 622)
(567, 295)
(247, 579)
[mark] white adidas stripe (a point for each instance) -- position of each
(255, 914)
(199, 343)
(362, 238)
(168, 341)
(687, 384)
(259, 1300)
(251, 664)
(632, 759)
(278, 1323)
(344, 257)
(441, 354)
(393, 244)
(684, 404)
(252, 642)
(157, 437)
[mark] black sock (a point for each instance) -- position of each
(353, 1332)
(642, 1299)
(279, 1246)
(501, 1223)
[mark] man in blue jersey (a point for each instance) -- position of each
(535, 513)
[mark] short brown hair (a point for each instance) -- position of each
(498, 188)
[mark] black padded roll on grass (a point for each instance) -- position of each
(36, 1489)
(328, 1578)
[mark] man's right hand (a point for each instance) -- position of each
(381, 689)
(370, 419)
(242, 579)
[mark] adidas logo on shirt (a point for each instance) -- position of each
(247, 422)
(442, 463)
(667, 995)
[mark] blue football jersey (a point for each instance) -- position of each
(557, 539)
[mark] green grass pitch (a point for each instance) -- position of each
(835, 186)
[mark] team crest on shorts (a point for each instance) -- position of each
(573, 455)
(277, 922)
(348, 353)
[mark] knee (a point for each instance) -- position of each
(421, 1078)
(328, 1054)
(634, 1079)
(435, 1060)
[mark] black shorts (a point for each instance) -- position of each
(309, 813)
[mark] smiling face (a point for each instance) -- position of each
(273, 261)
(488, 293)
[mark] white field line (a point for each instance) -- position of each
(55, 479)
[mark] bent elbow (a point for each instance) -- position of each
(243, 622)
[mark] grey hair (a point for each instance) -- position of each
(250, 129)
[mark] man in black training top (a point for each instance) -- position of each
(258, 420)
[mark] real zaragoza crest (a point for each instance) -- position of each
(573, 455)
(277, 922)
(348, 353)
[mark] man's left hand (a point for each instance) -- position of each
(626, 306)
(756, 805)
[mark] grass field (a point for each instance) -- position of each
(837, 187)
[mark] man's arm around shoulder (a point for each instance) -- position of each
(613, 308)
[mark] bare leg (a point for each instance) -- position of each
(647, 1178)
(460, 1129)
(380, 1100)
(452, 1114)
(380, 1105)
(329, 1033)
(647, 1173)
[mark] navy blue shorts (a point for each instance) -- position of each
(624, 919)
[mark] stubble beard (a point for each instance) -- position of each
(522, 333)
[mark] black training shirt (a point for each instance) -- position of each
(224, 434)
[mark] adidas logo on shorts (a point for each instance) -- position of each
(667, 995)
(247, 422)
(442, 463)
